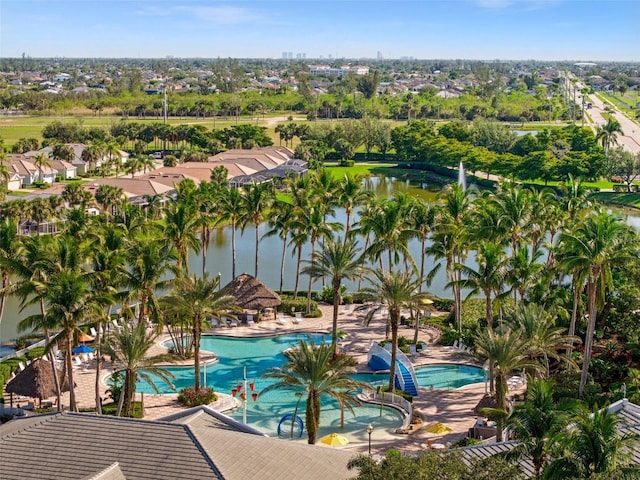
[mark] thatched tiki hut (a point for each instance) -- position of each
(35, 381)
(251, 294)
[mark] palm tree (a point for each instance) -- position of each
(280, 220)
(70, 302)
(311, 222)
(423, 215)
(396, 291)
(40, 161)
(489, 277)
(339, 261)
(449, 241)
(198, 300)
(313, 369)
(351, 194)
(150, 259)
(537, 422)
(92, 155)
(111, 149)
(9, 248)
(539, 331)
(256, 199)
(108, 260)
(109, 197)
(231, 210)
(607, 134)
(180, 225)
(590, 251)
(504, 353)
(594, 444)
(129, 349)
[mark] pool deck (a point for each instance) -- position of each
(451, 407)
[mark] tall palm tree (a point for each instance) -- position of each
(256, 199)
(311, 221)
(92, 154)
(594, 444)
(504, 352)
(198, 300)
(351, 194)
(70, 302)
(488, 277)
(129, 351)
(9, 247)
(449, 241)
(537, 422)
(231, 211)
(314, 370)
(149, 259)
(180, 225)
(108, 262)
(280, 220)
(339, 261)
(608, 133)
(596, 245)
(396, 291)
(423, 216)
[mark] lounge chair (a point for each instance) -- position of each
(250, 320)
(93, 331)
(346, 308)
(455, 344)
(21, 366)
(281, 320)
(297, 318)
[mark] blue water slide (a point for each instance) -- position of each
(405, 378)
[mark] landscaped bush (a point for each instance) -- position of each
(443, 304)
(189, 397)
(299, 304)
(34, 353)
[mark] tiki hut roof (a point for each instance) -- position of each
(35, 381)
(251, 294)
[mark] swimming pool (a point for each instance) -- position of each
(260, 354)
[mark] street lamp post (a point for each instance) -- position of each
(369, 431)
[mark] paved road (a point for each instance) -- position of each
(630, 139)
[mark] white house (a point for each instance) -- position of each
(24, 167)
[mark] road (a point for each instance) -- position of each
(630, 138)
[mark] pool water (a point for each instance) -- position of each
(260, 354)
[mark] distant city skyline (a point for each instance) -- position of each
(578, 30)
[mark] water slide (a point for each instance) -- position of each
(380, 359)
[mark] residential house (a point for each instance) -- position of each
(82, 167)
(23, 166)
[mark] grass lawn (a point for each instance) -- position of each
(112, 408)
(361, 169)
(622, 199)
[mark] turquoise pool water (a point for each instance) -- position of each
(260, 354)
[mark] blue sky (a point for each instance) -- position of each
(445, 29)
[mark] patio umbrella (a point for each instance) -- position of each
(85, 337)
(438, 428)
(334, 440)
(35, 381)
(82, 349)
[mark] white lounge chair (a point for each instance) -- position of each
(297, 318)
(281, 320)
(455, 344)
(250, 320)
(21, 366)
(233, 323)
(93, 331)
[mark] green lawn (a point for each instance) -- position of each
(618, 198)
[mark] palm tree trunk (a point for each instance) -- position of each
(588, 341)
(336, 303)
(313, 416)
(233, 248)
(393, 321)
(501, 396)
(72, 394)
(313, 251)
(205, 243)
(574, 315)
(295, 290)
(196, 353)
(284, 253)
(257, 246)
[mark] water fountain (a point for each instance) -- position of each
(462, 179)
